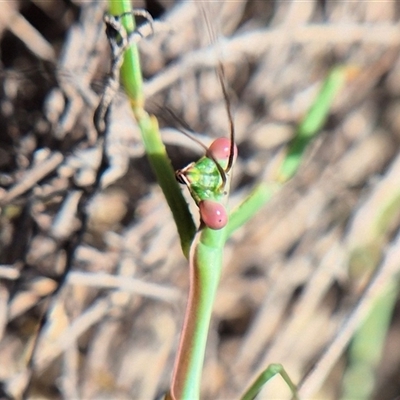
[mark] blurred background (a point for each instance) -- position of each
(93, 282)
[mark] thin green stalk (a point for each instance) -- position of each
(308, 128)
(366, 349)
(264, 377)
(131, 73)
(312, 123)
(257, 199)
(133, 83)
(205, 271)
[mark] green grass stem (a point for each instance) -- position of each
(133, 83)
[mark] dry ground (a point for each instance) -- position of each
(92, 279)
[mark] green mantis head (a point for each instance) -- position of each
(207, 181)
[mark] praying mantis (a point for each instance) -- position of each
(208, 183)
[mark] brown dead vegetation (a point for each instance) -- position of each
(92, 279)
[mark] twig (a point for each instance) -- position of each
(21, 28)
(384, 275)
(131, 285)
(119, 41)
(32, 177)
(255, 44)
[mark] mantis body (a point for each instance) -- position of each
(208, 183)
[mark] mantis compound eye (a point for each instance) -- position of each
(213, 214)
(220, 149)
